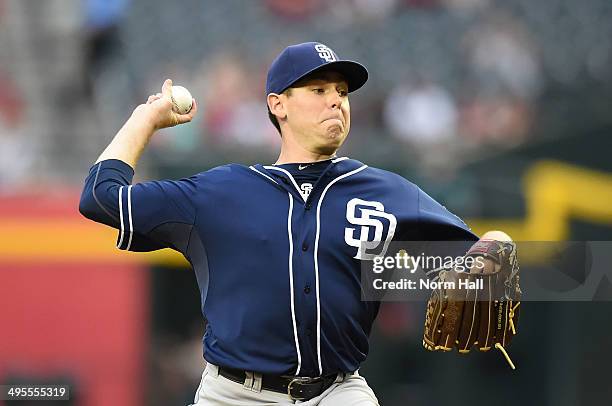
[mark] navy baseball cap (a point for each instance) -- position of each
(299, 61)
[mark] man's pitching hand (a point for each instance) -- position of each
(158, 109)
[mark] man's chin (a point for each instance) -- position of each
(333, 141)
(336, 132)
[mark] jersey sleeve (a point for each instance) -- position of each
(444, 234)
(438, 224)
(149, 215)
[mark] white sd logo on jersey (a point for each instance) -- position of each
(325, 53)
(306, 188)
(368, 218)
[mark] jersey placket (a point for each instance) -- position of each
(311, 293)
(306, 296)
(307, 299)
(307, 307)
(304, 287)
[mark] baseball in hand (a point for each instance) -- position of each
(181, 100)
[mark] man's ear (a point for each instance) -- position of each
(276, 105)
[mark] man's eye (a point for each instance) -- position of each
(343, 93)
(318, 90)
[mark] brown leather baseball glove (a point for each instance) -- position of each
(478, 307)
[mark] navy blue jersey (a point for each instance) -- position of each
(278, 269)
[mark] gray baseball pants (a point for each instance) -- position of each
(216, 390)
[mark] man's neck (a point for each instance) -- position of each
(295, 153)
(302, 159)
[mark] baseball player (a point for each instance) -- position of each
(277, 248)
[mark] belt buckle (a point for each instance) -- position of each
(300, 380)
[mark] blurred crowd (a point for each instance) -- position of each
(450, 79)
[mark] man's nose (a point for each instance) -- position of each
(335, 101)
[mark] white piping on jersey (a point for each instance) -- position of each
(292, 295)
(262, 174)
(316, 260)
(120, 218)
(295, 334)
(129, 197)
(342, 158)
(290, 177)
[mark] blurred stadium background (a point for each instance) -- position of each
(501, 109)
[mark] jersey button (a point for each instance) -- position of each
(305, 247)
(307, 206)
(307, 289)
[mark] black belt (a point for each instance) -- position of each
(297, 387)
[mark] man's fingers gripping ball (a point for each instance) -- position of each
(154, 97)
(181, 107)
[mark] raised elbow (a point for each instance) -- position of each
(87, 206)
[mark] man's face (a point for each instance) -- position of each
(318, 112)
